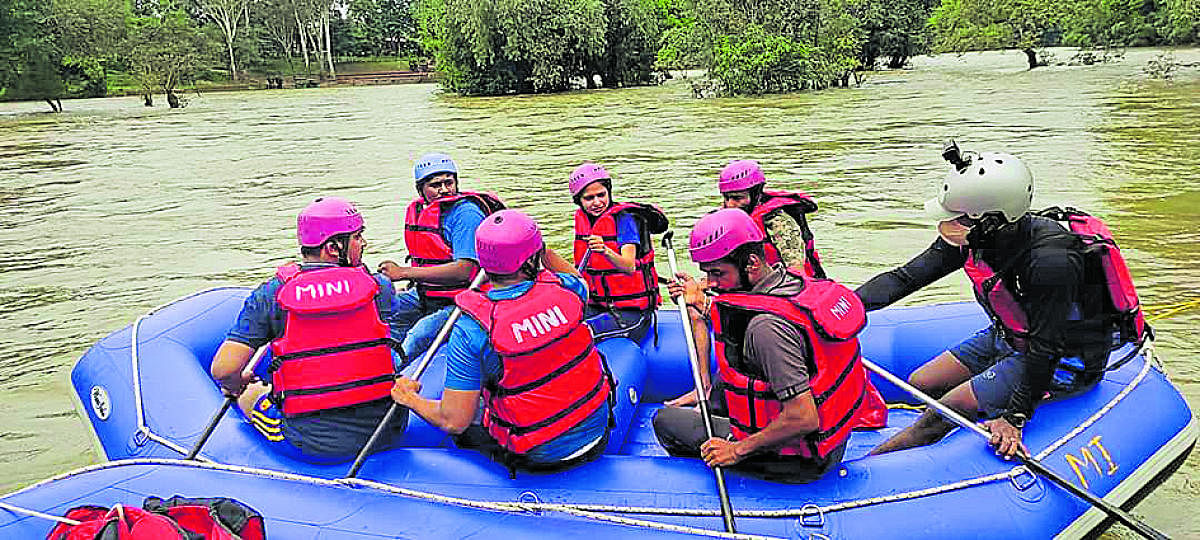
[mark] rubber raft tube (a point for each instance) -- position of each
(153, 401)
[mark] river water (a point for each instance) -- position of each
(111, 209)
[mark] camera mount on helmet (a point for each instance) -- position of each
(951, 153)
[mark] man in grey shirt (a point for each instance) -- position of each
(766, 320)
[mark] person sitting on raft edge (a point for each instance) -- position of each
(1051, 308)
(790, 241)
(615, 240)
(782, 338)
(309, 333)
(439, 232)
(546, 389)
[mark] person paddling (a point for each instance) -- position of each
(439, 232)
(331, 327)
(1051, 331)
(788, 357)
(780, 215)
(524, 348)
(614, 252)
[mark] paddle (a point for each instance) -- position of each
(387, 417)
(1033, 464)
(583, 261)
(216, 418)
(701, 397)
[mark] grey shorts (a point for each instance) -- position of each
(997, 369)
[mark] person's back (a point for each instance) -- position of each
(523, 348)
(326, 321)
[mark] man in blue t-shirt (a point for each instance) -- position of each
(521, 338)
(439, 232)
(319, 427)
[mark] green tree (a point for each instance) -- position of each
(229, 16)
(631, 42)
(523, 46)
(967, 25)
(772, 46)
(894, 29)
(164, 51)
(381, 27)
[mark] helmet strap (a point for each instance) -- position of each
(983, 234)
(533, 265)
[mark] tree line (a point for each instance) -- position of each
(50, 49)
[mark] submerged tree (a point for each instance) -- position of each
(527, 46)
(164, 51)
(969, 25)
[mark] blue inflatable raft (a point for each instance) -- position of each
(146, 392)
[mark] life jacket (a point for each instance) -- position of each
(335, 351)
(1122, 308)
(552, 376)
(778, 200)
(608, 287)
(425, 237)
(831, 316)
(177, 518)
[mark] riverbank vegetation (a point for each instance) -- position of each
(52, 49)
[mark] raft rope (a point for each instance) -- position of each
(18, 510)
(356, 483)
(1170, 310)
(593, 511)
(137, 375)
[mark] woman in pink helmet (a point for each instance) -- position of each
(787, 239)
(615, 253)
(527, 327)
(782, 338)
(308, 334)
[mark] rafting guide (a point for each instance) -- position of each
(1059, 298)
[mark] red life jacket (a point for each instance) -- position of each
(425, 237)
(831, 316)
(334, 351)
(777, 200)
(552, 376)
(183, 519)
(1100, 251)
(607, 286)
(998, 301)
(1123, 307)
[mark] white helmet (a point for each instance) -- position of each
(991, 182)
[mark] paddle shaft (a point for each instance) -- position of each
(950, 414)
(583, 261)
(216, 417)
(698, 381)
(416, 376)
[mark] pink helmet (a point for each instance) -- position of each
(505, 240)
(741, 175)
(324, 218)
(584, 175)
(716, 235)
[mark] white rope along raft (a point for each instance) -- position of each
(598, 512)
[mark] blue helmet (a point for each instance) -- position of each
(433, 163)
